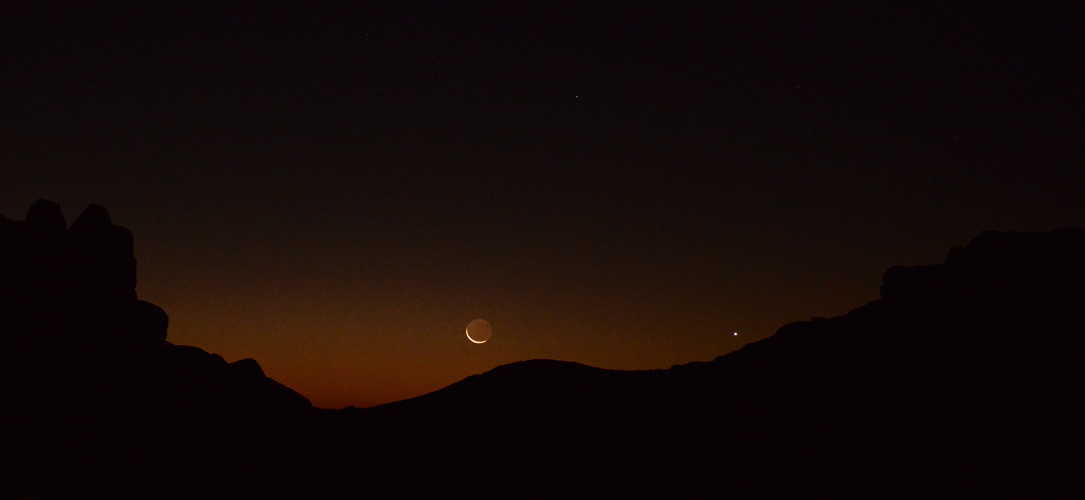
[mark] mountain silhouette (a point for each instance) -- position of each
(964, 378)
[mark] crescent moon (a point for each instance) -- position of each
(471, 339)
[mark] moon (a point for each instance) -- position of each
(479, 331)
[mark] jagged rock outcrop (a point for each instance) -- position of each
(74, 284)
(103, 266)
(95, 397)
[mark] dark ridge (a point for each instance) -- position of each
(96, 401)
(965, 379)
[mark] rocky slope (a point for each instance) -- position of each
(95, 396)
(965, 378)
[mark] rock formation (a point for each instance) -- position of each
(965, 378)
(96, 398)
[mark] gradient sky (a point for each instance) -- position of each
(338, 191)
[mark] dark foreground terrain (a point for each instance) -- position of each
(965, 378)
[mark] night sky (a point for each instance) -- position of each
(338, 191)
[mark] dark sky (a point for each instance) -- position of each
(338, 191)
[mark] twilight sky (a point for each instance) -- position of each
(338, 191)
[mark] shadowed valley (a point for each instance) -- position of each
(965, 377)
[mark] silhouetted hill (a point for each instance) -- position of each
(965, 378)
(95, 398)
